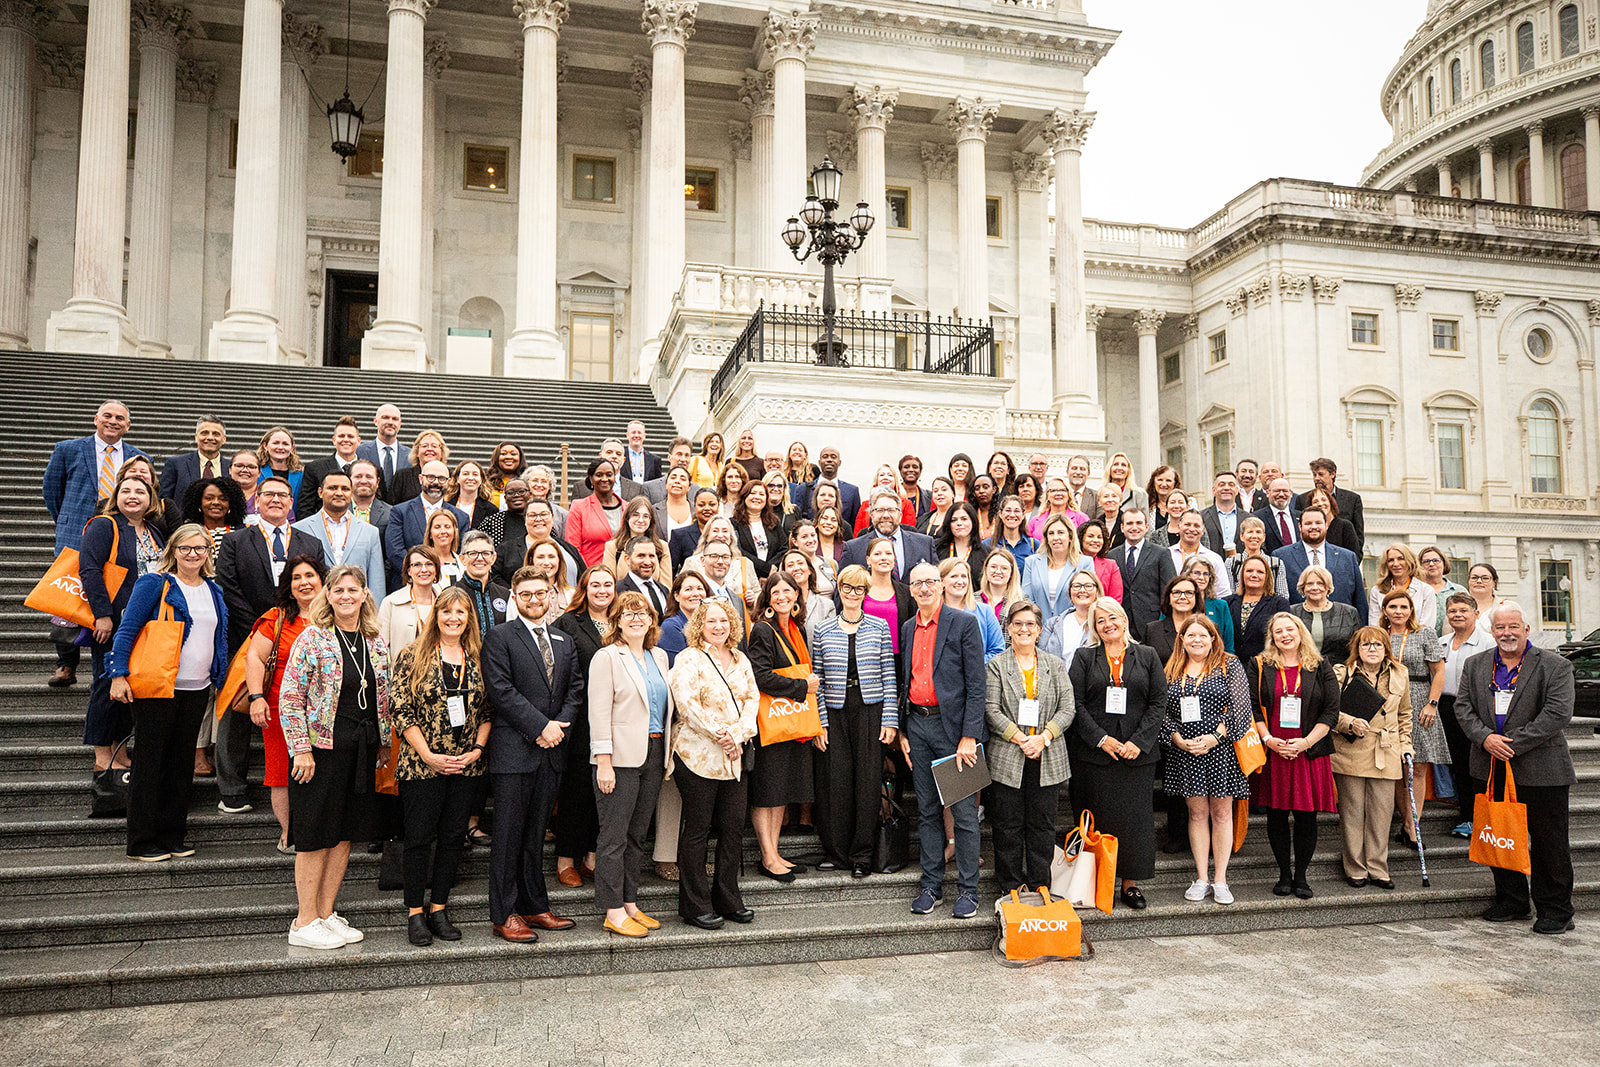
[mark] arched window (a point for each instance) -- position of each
(1430, 98)
(1574, 179)
(1455, 81)
(1568, 20)
(1544, 447)
(1486, 65)
(1524, 186)
(1525, 48)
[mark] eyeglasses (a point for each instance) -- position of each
(925, 583)
(527, 595)
(275, 494)
(853, 590)
(637, 616)
(192, 550)
(1176, 593)
(1021, 624)
(1373, 644)
(477, 554)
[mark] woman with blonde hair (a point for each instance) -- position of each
(1253, 534)
(1119, 472)
(955, 575)
(277, 455)
(1369, 754)
(442, 534)
(1399, 569)
(1001, 584)
(427, 446)
(797, 466)
(467, 491)
(1048, 572)
(705, 467)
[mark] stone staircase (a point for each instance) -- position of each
(84, 927)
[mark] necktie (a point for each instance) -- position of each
(1133, 559)
(1316, 556)
(108, 471)
(1283, 530)
(388, 462)
(208, 469)
(544, 649)
(655, 597)
(277, 546)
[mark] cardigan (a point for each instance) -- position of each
(94, 551)
(1004, 691)
(308, 699)
(144, 604)
(875, 667)
(1319, 701)
(707, 699)
(1146, 683)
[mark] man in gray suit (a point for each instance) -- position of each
(1146, 570)
(1514, 704)
(678, 454)
(366, 481)
(345, 538)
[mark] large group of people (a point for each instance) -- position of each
(420, 634)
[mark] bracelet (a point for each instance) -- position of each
(257, 696)
(475, 748)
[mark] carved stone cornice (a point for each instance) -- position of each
(1293, 286)
(639, 78)
(938, 161)
(196, 81)
(32, 17)
(420, 8)
(960, 31)
(842, 149)
(1066, 131)
(1325, 288)
(158, 25)
(755, 92)
(739, 139)
(871, 106)
(669, 21)
(788, 35)
(436, 55)
(1190, 325)
(540, 14)
(971, 119)
(303, 40)
(1593, 308)
(60, 67)
(1031, 171)
(1092, 314)
(1406, 295)
(1147, 321)
(1487, 302)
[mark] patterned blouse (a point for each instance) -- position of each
(707, 699)
(309, 697)
(430, 713)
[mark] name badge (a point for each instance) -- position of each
(277, 569)
(1117, 701)
(1190, 709)
(1289, 713)
(1028, 713)
(458, 710)
(1502, 704)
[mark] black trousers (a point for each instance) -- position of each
(163, 775)
(849, 782)
(1549, 889)
(105, 721)
(67, 655)
(1024, 823)
(1460, 755)
(436, 813)
(710, 803)
(576, 823)
(625, 815)
(522, 805)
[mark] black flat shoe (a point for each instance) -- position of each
(1133, 897)
(1357, 883)
(705, 922)
(860, 870)
(785, 877)
(1303, 890)
(743, 915)
(1283, 888)
(797, 868)
(442, 927)
(1381, 883)
(417, 930)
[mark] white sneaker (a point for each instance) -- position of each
(338, 925)
(1197, 890)
(1221, 893)
(315, 935)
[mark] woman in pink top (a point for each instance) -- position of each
(1057, 501)
(1093, 542)
(886, 598)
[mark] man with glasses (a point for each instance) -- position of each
(491, 598)
(943, 690)
(883, 515)
(536, 691)
(249, 562)
(345, 538)
(408, 522)
(716, 560)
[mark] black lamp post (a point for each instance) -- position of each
(344, 118)
(830, 241)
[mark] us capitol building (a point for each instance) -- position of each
(596, 189)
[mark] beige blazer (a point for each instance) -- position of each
(619, 708)
(399, 620)
(1388, 738)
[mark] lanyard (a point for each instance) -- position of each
(1283, 684)
(1401, 655)
(1510, 673)
(343, 527)
(1115, 663)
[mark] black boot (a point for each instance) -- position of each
(417, 930)
(442, 927)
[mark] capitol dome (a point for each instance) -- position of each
(1497, 100)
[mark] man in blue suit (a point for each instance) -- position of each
(1313, 548)
(828, 462)
(183, 470)
(80, 474)
(910, 547)
(345, 538)
(943, 689)
(408, 522)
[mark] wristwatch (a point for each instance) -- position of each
(1433, 703)
(257, 696)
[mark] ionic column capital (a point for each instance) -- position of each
(1031, 171)
(1066, 131)
(971, 120)
(1147, 321)
(164, 26)
(540, 14)
(303, 40)
(788, 35)
(871, 106)
(669, 21)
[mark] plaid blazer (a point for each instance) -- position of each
(72, 486)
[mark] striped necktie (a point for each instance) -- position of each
(108, 471)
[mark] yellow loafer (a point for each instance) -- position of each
(645, 921)
(627, 928)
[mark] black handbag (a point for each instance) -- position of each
(893, 849)
(108, 789)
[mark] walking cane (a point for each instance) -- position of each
(1416, 820)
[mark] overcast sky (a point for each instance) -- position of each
(1200, 99)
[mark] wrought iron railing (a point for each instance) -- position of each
(859, 339)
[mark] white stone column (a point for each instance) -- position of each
(668, 24)
(639, 287)
(395, 341)
(1445, 181)
(435, 59)
(534, 350)
(1591, 154)
(1537, 192)
(1030, 364)
(939, 172)
(160, 32)
(1491, 385)
(94, 319)
(249, 330)
(1077, 369)
(970, 121)
(20, 24)
(872, 108)
(302, 43)
(1145, 323)
(1485, 149)
(787, 39)
(755, 93)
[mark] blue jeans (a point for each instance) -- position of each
(929, 742)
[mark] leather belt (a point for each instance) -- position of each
(924, 709)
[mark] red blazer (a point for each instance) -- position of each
(588, 529)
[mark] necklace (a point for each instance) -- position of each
(360, 659)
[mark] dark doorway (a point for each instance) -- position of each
(352, 305)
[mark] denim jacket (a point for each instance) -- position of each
(144, 604)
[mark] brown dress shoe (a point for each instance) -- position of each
(63, 677)
(569, 876)
(514, 929)
(546, 921)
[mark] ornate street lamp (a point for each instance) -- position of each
(344, 118)
(830, 241)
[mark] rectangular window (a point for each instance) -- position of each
(700, 189)
(1452, 455)
(1363, 328)
(1568, 20)
(485, 168)
(1369, 453)
(902, 351)
(897, 209)
(594, 178)
(1446, 335)
(1555, 603)
(1172, 367)
(991, 216)
(367, 162)
(1222, 451)
(1219, 347)
(591, 348)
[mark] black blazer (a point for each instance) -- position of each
(1141, 592)
(632, 583)
(1213, 536)
(1349, 504)
(1319, 699)
(1249, 640)
(1146, 683)
(1339, 623)
(93, 555)
(681, 545)
(766, 655)
(481, 510)
(652, 466)
(1274, 541)
(509, 556)
(1258, 500)
(777, 543)
(1161, 636)
(406, 485)
(181, 471)
(578, 626)
(244, 571)
(1343, 534)
(308, 503)
(525, 698)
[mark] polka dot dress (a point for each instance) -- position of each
(1415, 652)
(1223, 696)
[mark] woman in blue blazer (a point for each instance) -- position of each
(158, 791)
(1048, 572)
